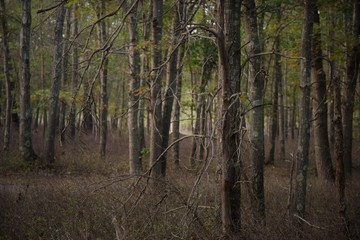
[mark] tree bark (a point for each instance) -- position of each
(275, 100)
(155, 94)
(256, 120)
(103, 106)
(177, 104)
(352, 71)
(322, 149)
(25, 135)
(9, 81)
(74, 73)
(65, 73)
(171, 75)
(228, 42)
(133, 100)
(339, 156)
(55, 87)
(302, 155)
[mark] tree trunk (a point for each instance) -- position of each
(302, 156)
(55, 87)
(275, 100)
(65, 73)
(74, 73)
(256, 120)
(9, 82)
(155, 94)
(25, 135)
(103, 106)
(229, 76)
(322, 149)
(200, 110)
(172, 74)
(283, 120)
(339, 156)
(133, 104)
(177, 104)
(352, 70)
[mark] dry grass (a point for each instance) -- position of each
(88, 198)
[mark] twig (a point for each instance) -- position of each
(308, 223)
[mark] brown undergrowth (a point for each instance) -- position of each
(85, 197)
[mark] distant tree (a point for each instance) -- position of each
(302, 155)
(25, 135)
(55, 87)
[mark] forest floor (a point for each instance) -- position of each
(84, 197)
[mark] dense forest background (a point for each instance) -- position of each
(151, 119)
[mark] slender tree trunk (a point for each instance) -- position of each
(293, 113)
(302, 156)
(74, 73)
(256, 121)
(352, 71)
(275, 100)
(322, 149)
(9, 82)
(200, 109)
(339, 156)
(283, 120)
(177, 105)
(103, 107)
(171, 75)
(229, 76)
(25, 135)
(55, 87)
(155, 94)
(65, 73)
(133, 101)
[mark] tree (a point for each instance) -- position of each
(74, 71)
(65, 73)
(102, 38)
(55, 87)
(155, 92)
(302, 154)
(9, 82)
(352, 72)
(228, 42)
(256, 120)
(322, 153)
(134, 84)
(25, 135)
(171, 75)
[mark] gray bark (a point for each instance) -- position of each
(171, 75)
(228, 43)
(302, 155)
(322, 149)
(256, 120)
(55, 87)
(133, 100)
(65, 73)
(155, 92)
(74, 72)
(103, 106)
(25, 135)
